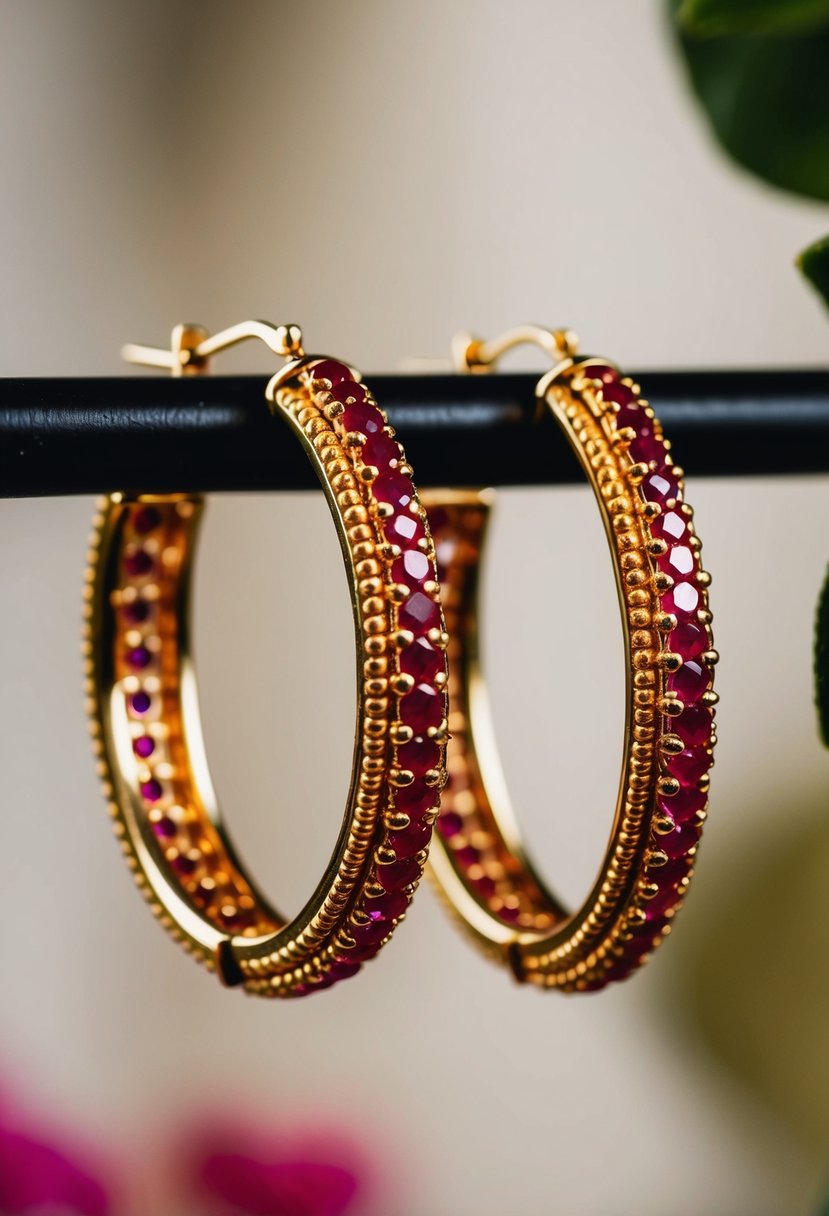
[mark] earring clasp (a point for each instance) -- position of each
(192, 346)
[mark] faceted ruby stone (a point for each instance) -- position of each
(671, 874)
(468, 856)
(510, 915)
(364, 418)
(422, 708)
(143, 746)
(417, 799)
(390, 906)
(138, 562)
(395, 489)
(146, 519)
(485, 886)
(362, 954)
(422, 660)
(139, 657)
(137, 612)
(381, 451)
(151, 790)
(670, 526)
(660, 486)
(449, 824)
(418, 756)
(689, 640)
(664, 899)
(413, 568)
(600, 371)
(342, 970)
(682, 601)
(371, 933)
(646, 447)
(690, 681)
(404, 529)
(140, 702)
(164, 827)
(409, 841)
(678, 842)
(690, 765)
(398, 874)
(348, 392)
(683, 806)
(632, 416)
(620, 393)
(186, 865)
(419, 613)
(693, 726)
(679, 562)
(331, 370)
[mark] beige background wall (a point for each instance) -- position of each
(386, 173)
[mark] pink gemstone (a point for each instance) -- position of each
(679, 562)
(398, 875)
(467, 856)
(342, 970)
(620, 393)
(600, 371)
(690, 765)
(390, 906)
(421, 708)
(689, 640)
(674, 871)
(678, 842)
(419, 613)
(404, 529)
(146, 519)
(164, 827)
(143, 746)
(690, 681)
(683, 601)
(412, 569)
(693, 726)
(419, 756)
(152, 790)
(332, 371)
(664, 899)
(395, 489)
(670, 526)
(140, 702)
(139, 657)
(409, 841)
(138, 563)
(682, 807)
(660, 486)
(137, 612)
(371, 933)
(364, 418)
(417, 799)
(381, 451)
(450, 824)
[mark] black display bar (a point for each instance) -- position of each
(154, 433)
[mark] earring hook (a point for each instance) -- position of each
(471, 354)
(192, 346)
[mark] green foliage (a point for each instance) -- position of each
(713, 18)
(814, 262)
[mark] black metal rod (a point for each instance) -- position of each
(82, 436)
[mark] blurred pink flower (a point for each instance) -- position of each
(38, 1177)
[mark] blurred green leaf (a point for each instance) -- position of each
(767, 98)
(712, 18)
(814, 262)
(822, 661)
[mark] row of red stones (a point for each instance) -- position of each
(401, 853)
(677, 823)
(138, 643)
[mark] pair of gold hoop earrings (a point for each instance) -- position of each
(423, 754)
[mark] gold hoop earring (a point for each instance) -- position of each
(478, 859)
(143, 702)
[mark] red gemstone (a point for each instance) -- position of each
(620, 393)
(138, 562)
(409, 841)
(689, 640)
(600, 371)
(342, 969)
(386, 907)
(419, 613)
(146, 519)
(416, 800)
(421, 708)
(137, 611)
(664, 899)
(347, 392)
(683, 807)
(144, 746)
(413, 568)
(467, 856)
(422, 660)
(679, 562)
(364, 418)
(370, 933)
(485, 886)
(634, 416)
(418, 756)
(690, 681)
(140, 702)
(678, 842)
(690, 765)
(186, 865)
(670, 526)
(672, 872)
(510, 915)
(646, 447)
(332, 371)
(683, 601)
(139, 657)
(660, 486)
(164, 827)
(381, 451)
(449, 824)
(152, 790)
(360, 954)
(693, 726)
(398, 874)
(395, 489)
(404, 529)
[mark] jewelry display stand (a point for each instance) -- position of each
(87, 435)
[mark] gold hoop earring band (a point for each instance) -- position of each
(142, 692)
(478, 859)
